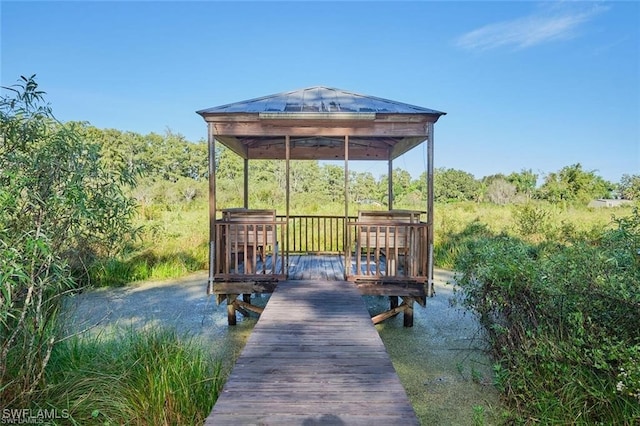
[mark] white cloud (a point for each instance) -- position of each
(528, 31)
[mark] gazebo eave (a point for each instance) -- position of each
(372, 136)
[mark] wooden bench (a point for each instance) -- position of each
(245, 234)
(389, 233)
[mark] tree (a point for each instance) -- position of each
(525, 181)
(61, 206)
(333, 177)
(630, 187)
(454, 185)
(573, 184)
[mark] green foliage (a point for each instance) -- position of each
(60, 208)
(532, 220)
(630, 187)
(454, 185)
(137, 378)
(525, 181)
(572, 184)
(563, 319)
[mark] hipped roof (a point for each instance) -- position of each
(317, 119)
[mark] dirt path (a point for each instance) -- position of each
(439, 361)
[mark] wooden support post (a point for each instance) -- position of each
(430, 202)
(231, 309)
(408, 312)
(287, 154)
(212, 205)
(346, 243)
(246, 298)
(393, 302)
(390, 182)
(246, 183)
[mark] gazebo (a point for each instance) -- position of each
(386, 253)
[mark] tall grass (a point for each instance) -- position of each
(151, 377)
(174, 238)
(173, 242)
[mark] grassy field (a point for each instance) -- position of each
(174, 239)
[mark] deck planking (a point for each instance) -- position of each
(320, 266)
(314, 357)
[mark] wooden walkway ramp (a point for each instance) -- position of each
(313, 358)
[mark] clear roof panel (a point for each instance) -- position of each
(319, 99)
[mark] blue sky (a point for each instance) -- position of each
(526, 85)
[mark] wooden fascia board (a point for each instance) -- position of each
(372, 129)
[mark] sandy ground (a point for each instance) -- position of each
(440, 360)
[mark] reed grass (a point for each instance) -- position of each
(144, 377)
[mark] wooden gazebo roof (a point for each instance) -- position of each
(317, 120)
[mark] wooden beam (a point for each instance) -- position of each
(275, 152)
(388, 314)
(256, 287)
(249, 306)
(368, 129)
(234, 145)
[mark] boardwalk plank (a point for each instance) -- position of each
(314, 357)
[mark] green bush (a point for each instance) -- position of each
(563, 322)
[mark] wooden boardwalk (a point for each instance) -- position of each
(313, 358)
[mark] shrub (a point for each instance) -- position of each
(60, 208)
(563, 322)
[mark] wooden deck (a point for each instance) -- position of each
(313, 358)
(319, 267)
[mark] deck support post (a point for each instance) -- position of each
(231, 309)
(408, 312)
(393, 302)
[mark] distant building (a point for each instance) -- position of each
(602, 202)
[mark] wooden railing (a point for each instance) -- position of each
(247, 243)
(393, 245)
(389, 250)
(376, 246)
(317, 234)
